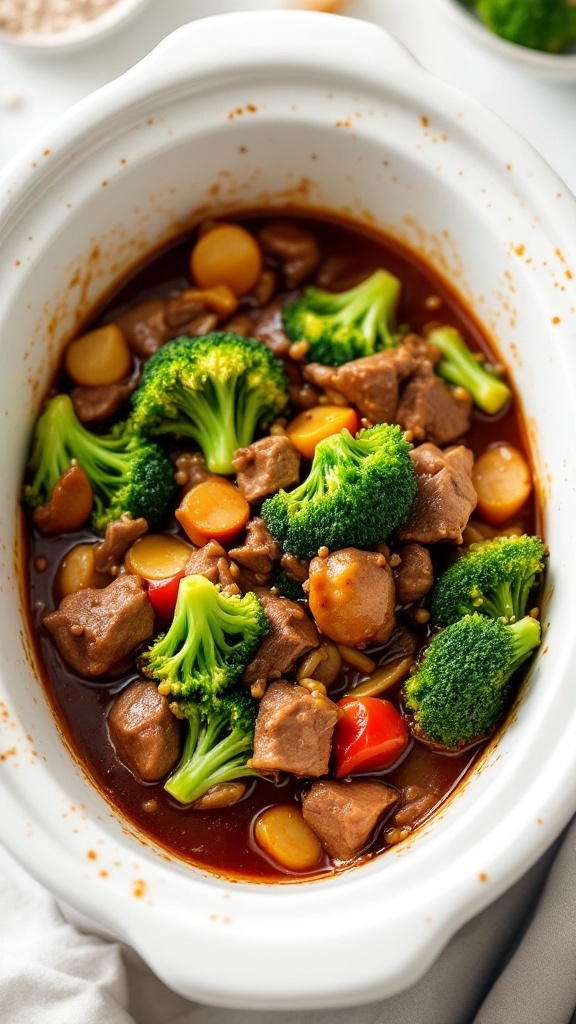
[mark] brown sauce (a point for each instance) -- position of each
(221, 841)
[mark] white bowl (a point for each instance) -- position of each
(553, 65)
(69, 40)
(246, 111)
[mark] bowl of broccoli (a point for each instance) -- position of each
(269, 111)
(540, 34)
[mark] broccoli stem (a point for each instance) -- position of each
(220, 419)
(509, 600)
(207, 761)
(459, 367)
(526, 636)
(60, 438)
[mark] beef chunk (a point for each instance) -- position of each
(259, 550)
(119, 535)
(446, 497)
(291, 634)
(144, 326)
(372, 383)
(268, 328)
(414, 576)
(94, 629)
(265, 466)
(92, 405)
(295, 568)
(431, 410)
(352, 596)
(295, 247)
(212, 561)
(69, 505)
(184, 309)
(145, 733)
(293, 731)
(344, 814)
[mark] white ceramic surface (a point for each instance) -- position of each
(78, 37)
(233, 113)
(554, 65)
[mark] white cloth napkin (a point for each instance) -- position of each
(513, 964)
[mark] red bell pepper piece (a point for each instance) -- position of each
(371, 735)
(162, 595)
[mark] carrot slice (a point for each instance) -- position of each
(313, 425)
(213, 510)
(502, 481)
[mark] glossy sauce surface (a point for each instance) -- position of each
(222, 840)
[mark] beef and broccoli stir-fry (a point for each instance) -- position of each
(283, 554)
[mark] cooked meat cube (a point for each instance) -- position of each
(295, 247)
(145, 733)
(446, 497)
(431, 410)
(344, 814)
(69, 505)
(92, 405)
(144, 326)
(293, 731)
(259, 550)
(265, 466)
(371, 384)
(119, 535)
(414, 576)
(295, 568)
(94, 629)
(213, 562)
(352, 597)
(291, 634)
(183, 309)
(268, 328)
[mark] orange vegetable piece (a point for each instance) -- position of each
(213, 510)
(313, 425)
(502, 481)
(227, 255)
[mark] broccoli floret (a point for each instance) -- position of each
(358, 491)
(458, 366)
(127, 473)
(210, 641)
(494, 578)
(217, 389)
(217, 747)
(340, 326)
(458, 692)
(199, 661)
(548, 25)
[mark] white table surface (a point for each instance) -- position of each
(34, 89)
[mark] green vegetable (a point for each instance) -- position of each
(358, 491)
(458, 366)
(126, 472)
(340, 326)
(200, 661)
(494, 578)
(217, 389)
(458, 692)
(548, 25)
(217, 747)
(209, 642)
